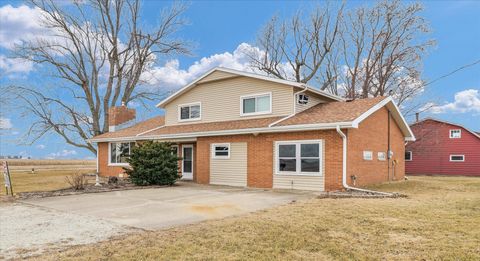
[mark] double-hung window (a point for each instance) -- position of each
(299, 157)
(189, 112)
(455, 134)
(221, 151)
(120, 152)
(256, 104)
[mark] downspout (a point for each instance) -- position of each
(305, 88)
(344, 168)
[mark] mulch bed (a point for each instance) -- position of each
(90, 188)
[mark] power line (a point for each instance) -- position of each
(452, 72)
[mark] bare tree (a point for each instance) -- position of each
(368, 51)
(297, 48)
(97, 51)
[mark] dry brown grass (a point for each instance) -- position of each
(439, 221)
(49, 174)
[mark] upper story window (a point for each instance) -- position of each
(120, 152)
(256, 104)
(455, 134)
(189, 112)
(302, 98)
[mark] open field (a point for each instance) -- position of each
(438, 221)
(49, 174)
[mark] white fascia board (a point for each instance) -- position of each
(288, 128)
(251, 75)
(381, 104)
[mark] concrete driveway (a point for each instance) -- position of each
(152, 209)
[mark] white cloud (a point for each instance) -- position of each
(170, 76)
(14, 65)
(40, 146)
(61, 154)
(465, 101)
(5, 123)
(19, 24)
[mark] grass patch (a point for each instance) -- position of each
(42, 180)
(439, 221)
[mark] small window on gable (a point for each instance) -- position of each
(408, 155)
(189, 112)
(457, 158)
(302, 99)
(367, 155)
(455, 134)
(221, 151)
(381, 156)
(256, 104)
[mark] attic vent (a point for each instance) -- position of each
(302, 99)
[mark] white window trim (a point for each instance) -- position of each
(453, 155)
(459, 132)
(254, 96)
(411, 155)
(298, 156)
(371, 154)
(223, 145)
(179, 109)
(178, 149)
(384, 154)
(304, 95)
(110, 155)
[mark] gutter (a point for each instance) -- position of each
(344, 168)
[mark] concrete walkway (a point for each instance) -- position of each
(152, 209)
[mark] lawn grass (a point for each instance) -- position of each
(440, 220)
(42, 180)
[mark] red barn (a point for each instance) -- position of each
(442, 148)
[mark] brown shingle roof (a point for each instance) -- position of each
(332, 112)
(135, 129)
(322, 113)
(213, 126)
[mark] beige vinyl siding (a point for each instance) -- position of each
(301, 182)
(217, 75)
(221, 100)
(232, 171)
(313, 100)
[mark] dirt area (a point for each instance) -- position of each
(28, 230)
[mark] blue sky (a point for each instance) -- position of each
(219, 28)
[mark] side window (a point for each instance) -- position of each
(367, 155)
(221, 151)
(302, 99)
(120, 152)
(408, 155)
(299, 158)
(189, 112)
(381, 156)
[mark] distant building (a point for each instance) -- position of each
(442, 148)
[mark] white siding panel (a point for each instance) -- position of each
(232, 171)
(301, 182)
(312, 101)
(221, 100)
(217, 75)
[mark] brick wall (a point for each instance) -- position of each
(103, 167)
(372, 135)
(260, 156)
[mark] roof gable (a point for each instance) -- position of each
(476, 134)
(220, 73)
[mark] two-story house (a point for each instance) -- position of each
(443, 148)
(243, 129)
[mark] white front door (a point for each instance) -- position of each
(187, 162)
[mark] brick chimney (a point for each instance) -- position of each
(120, 117)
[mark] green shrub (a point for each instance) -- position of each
(153, 163)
